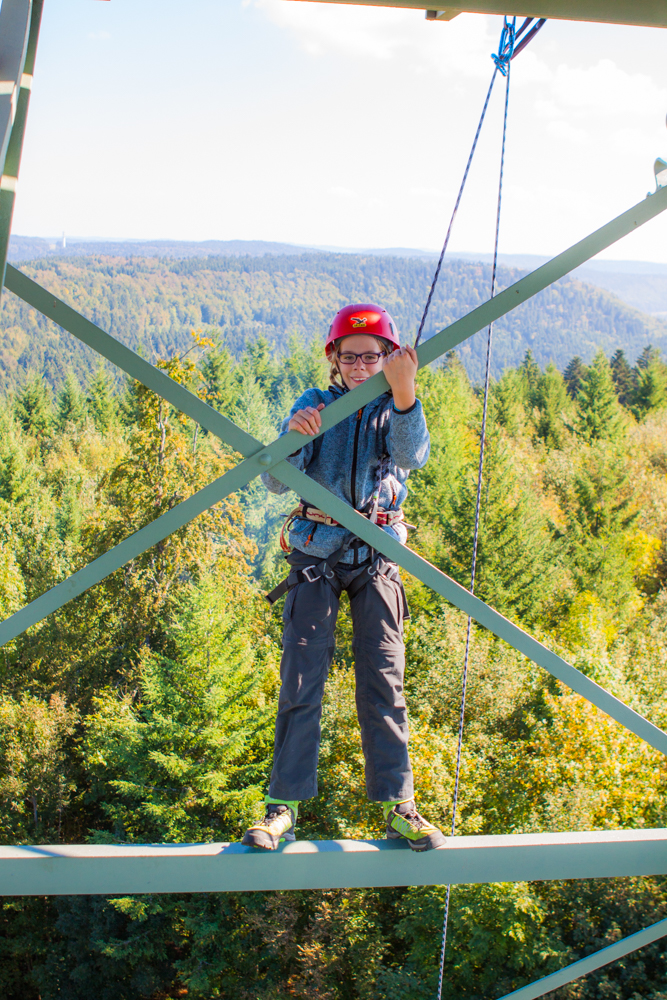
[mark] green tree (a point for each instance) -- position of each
(33, 408)
(515, 556)
(648, 355)
(71, 404)
(184, 759)
(510, 395)
(650, 389)
(599, 415)
(573, 375)
(529, 371)
(217, 371)
(36, 769)
(606, 553)
(623, 376)
(550, 407)
(101, 401)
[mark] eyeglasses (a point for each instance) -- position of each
(368, 359)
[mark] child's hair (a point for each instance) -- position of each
(334, 370)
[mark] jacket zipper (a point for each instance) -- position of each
(353, 478)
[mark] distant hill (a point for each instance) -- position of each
(152, 305)
(24, 248)
(640, 284)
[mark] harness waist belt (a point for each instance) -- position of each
(382, 518)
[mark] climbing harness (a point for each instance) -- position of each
(306, 574)
(324, 567)
(377, 515)
(507, 50)
(377, 565)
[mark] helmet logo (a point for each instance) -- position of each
(358, 322)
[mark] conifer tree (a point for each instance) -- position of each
(530, 371)
(599, 413)
(510, 401)
(601, 506)
(550, 403)
(650, 390)
(102, 401)
(71, 403)
(33, 408)
(649, 354)
(623, 376)
(217, 370)
(514, 558)
(573, 376)
(185, 760)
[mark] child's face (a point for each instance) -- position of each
(359, 344)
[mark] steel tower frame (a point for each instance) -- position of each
(86, 869)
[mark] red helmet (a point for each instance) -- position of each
(370, 319)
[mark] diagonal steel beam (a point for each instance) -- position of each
(130, 548)
(12, 163)
(590, 963)
(265, 458)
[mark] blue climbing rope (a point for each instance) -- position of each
(507, 49)
(456, 208)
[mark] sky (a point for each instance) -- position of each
(333, 125)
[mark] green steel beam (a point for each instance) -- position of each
(12, 165)
(14, 32)
(591, 963)
(100, 869)
(650, 13)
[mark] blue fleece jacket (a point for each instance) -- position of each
(346, 460)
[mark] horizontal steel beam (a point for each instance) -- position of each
(649, 13)
(101, 869)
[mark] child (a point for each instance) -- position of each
(364, 460)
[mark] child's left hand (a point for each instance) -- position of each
(400, 369)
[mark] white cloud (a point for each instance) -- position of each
(342, 192)
(606, 89)
(461, 47)
(567, 132)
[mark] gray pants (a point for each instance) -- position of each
(309, 620)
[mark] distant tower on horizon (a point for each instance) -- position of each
(64, 243)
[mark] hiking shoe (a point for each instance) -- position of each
(278, 825)
(403, 820)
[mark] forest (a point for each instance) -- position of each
(151, 304)
(143, 710)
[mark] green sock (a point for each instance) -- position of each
(388, 806)
(293, 805)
